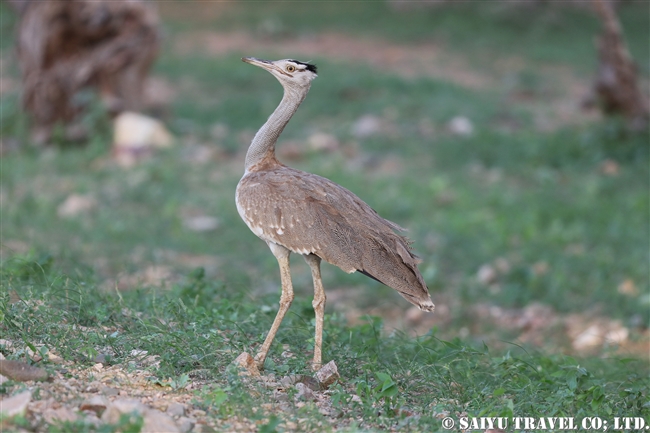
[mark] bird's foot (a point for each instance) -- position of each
(259, 361)
(247, 365)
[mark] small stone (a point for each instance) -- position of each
(185, 424)
(134, 130)
(53, 358)
(287, 354)
(589, 338)
(32, 354)
(310, 382)
(280, 396)
(109, 392)
(502, 265)
(327, 411)
(98, 367)
(100, 358)
(540, 268)
(219, 131)
(327, 375)
(247, 364)
(92, 419)
(304, 393)
(176, 409)
(268, 380)
(618, 335)
(95, 404)
(292, 151)
(486, 274)
(628, 288)
(122, 406)
(323, 142)
(21, 372)
(61, 414)
(404, 412)
(288, 381)
(93, 387)
(76, 204)
(366, 126)
(461, 125)
(609, 167)
(16, 404)
(156, 422)
(202, 223)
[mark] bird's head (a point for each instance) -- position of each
(289, 72)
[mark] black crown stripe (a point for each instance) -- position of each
(308, 66)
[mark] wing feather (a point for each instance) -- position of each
(307, 214)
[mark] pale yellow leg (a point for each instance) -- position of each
(282, 254)
(319, 310)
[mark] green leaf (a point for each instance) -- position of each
(271, 426)
(383, 377)
(572, 382)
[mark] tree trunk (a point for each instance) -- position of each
(616, 85)
(65, 46)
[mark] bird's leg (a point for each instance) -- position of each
(319, 309)
(282, 254)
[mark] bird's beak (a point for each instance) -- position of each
(265, 64)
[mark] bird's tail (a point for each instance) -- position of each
(426, 305)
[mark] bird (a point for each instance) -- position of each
(298, 212)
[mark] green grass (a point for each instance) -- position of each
(546, 195)
(519, 194)
(197, 328)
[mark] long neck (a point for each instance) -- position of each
(263, 144)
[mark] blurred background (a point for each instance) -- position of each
(510, 138)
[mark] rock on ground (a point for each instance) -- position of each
(247, 365)
(21, 372)
(328, 375)
(16, 404)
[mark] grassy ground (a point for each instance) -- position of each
(552, 202)
(197, 328)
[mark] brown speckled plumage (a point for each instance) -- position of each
(299, 212)
(309, 214)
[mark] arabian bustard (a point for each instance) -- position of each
(299, 212)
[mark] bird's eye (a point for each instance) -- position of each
(290, 68)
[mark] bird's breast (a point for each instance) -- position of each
(260, 210)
